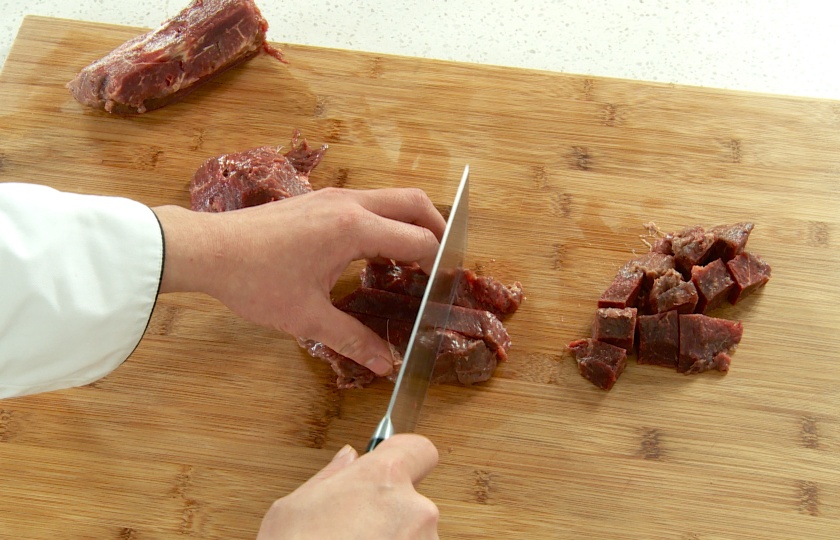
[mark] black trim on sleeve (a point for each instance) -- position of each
(160, 282)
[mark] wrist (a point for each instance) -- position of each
(189, 246)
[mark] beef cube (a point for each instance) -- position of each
(706, 343)
(659, 339)
(624, 290)
(600, 363)
(615, 326)
(749, 272)
(691, 248)
(663, 245)
(672, 292)
(652, 265)
(713, 284)
(463, 360)
(729, 240)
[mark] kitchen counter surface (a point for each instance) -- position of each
(772, 46)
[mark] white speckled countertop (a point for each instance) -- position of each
(774, 46)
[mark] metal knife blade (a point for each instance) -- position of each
(419, 359)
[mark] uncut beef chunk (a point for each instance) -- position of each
(659, 339)
(615, 326)
(671, 292)
(462, 360)
(159, 67)
(749, 272)
(254, 177)
(600, 363)
(706, 343)
(713, 284)
(473, 291)
(729, 240)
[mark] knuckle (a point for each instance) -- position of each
(428, 510)
(418, 197)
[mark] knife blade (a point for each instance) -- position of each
(419, 359)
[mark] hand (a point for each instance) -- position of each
(275, 264)
(366, 497)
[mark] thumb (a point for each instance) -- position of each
(341, 460)
(347, 336)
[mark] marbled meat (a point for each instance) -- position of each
(254, 177)
(163, 65)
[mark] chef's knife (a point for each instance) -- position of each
(419, 359)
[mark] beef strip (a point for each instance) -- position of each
(473, 291)
(473, 323)
(706, 343)
(671, 291)
(600, 363)
(349, 374)
(659, 339)
(254, 177)
(749, 272)
(615, 326)
(713, 284)
(163, 65)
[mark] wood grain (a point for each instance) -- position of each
(211, 418)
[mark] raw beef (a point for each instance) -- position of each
(615, 326)
(624, 290)
(729, 240)
(706, 343)
(749, 272)
(462, 360)
(473, 291)
(163, 65)
(600, 363)
(659, 339)
(691, 248)
(671, 291)
(473, 323)
(713, 284)
(254, 177)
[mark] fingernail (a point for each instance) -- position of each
(343, 453)
(379, 365)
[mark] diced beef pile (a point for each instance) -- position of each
(657, 305)
(470, 345)
(163, 65)
(254, 177)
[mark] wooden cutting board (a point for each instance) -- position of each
(211, 419)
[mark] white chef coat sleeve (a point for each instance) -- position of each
(79, 276)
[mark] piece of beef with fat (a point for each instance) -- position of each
(634, 279)
(163, 65)
(254, 177)
(691, 248)
(472, 291)
(600, 363)
(615, 326)
(706, 343)
(713, 284)
(749, 272)
(659, 339)
(671, 292)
